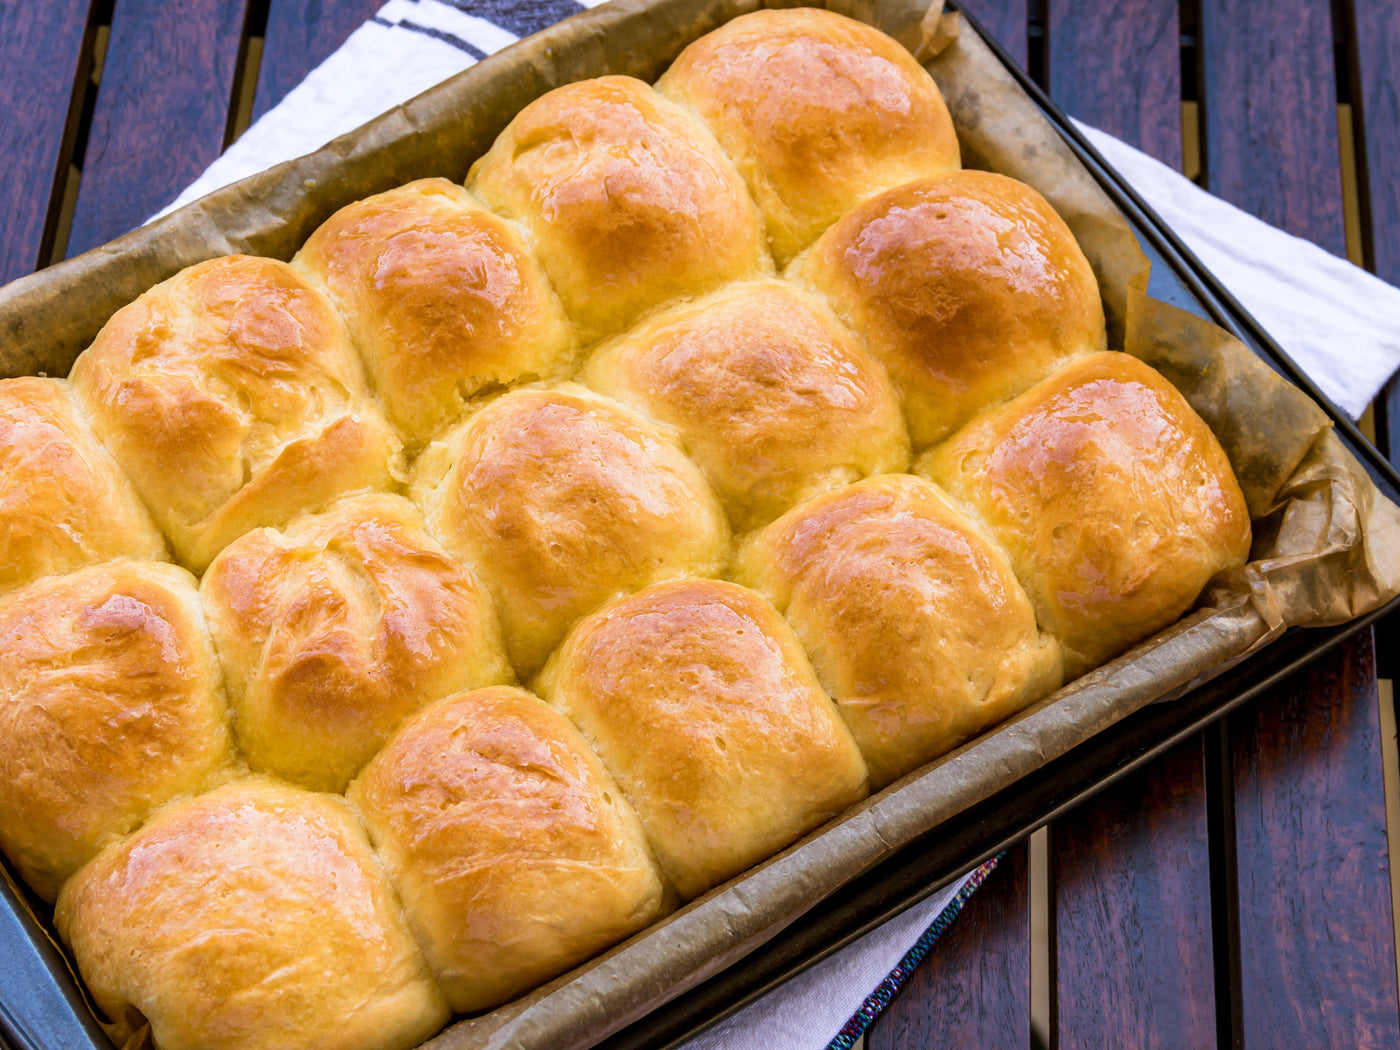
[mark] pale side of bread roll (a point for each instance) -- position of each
(512, 849)
(1112, 497)
(64, 502)
(818, 112)
(233, 399)
(335, 629)
(630, 200)
(968, 287)
(771, 395)
(254, 917)
(701, 703)
(914, 621)
(562, 499)
(442, 298)
(111, 704)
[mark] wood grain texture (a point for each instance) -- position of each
(43, 69)
(1270, 111)
(1116, 64)
(1132, 911)
(1005, 20)
(162, 111)
(300, 35)
(1375, 36)
(1317, 964)
(974, 987)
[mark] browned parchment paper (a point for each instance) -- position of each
(1327, 543)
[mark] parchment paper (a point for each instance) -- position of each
(1327, 544)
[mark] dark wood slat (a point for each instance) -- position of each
(974, 987)
(1116, 64)
(1375, 36)
(1317, 952)
(1005, 20)
(299, 37)
(44, 62)
(1270, 114)
(162, 111)
(1132, 912)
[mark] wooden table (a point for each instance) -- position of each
(1234, 892)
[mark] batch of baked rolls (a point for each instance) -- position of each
(384, 633)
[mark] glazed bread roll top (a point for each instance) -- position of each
(111, 704)
(233, 399)
(442, 298)
(968, 287)
(629, 199)
(914, 621)
(818, 112)
(1112, 497)
(515, 854)
(64, 502)
(562, 500)
(253, 917)
(702, 705)
(335, 629)
(770, 394)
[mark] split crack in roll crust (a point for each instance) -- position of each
(231, 396)
(514, 851)
(254, 917)
(442, 297)
(111, 704)
(701, 703)
(630, 200)
(818, 112)
(334, 630)
(1112, 497)
(64, 502)
(771, 395)
(967, 287)
(563, 499)
(913, 619)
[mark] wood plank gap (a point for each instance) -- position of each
(1351, 207)
(1224, 885)
(1037, 43)
(243, 84)
(1042, 944)
(65, 188)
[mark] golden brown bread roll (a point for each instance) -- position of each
(231, 396)
(771, 395)
(817, 111)
(1112, 497)
(514, 853)
(562, 499)
(630, 200)
(442, 299)
(63, 501)
(968, 287)
(250, 918)
(335, 629)
(702, 705)
(914, 621)
(111, 703)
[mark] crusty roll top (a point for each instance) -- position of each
(442, 298)
(334, 630)
(818, 112)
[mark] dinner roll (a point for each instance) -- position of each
(702, 705)
(442, 298)
(231, 396)
(64, 502)
(253, 917)
(771, 395)
(513, 851)
(968, 287)
(111, 704)
(1112, 497)
(335, 629)
(563, 499)
(914, 621)
(630, 200)
(818, 112)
